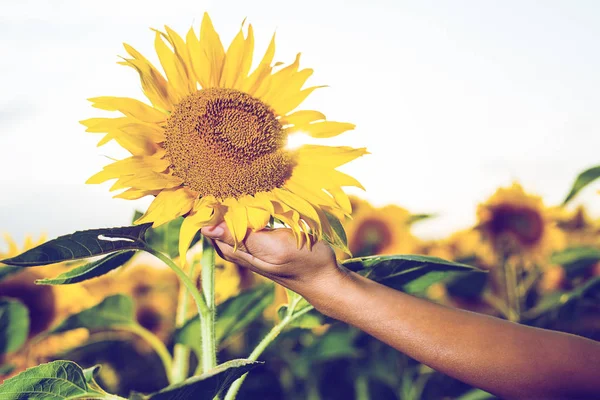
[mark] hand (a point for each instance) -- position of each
(275, 255)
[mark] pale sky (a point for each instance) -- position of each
(452, 98)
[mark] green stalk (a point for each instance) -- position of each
(207, 316)
(181, 353)
(187, 282)
(157, 345)
(510, 290)
(267, 340)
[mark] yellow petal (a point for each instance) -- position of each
(325, 178)
(341, 198)
(134, 194)
(284, 106)
(183, 56)
(291, 87)
(251, 84)
(238, 60)
(297, 203)
(208, 63)
(130, 107)
(326, 129)
(236, 219)
(155, 86)
(315, 195)
(168, 205)
(203, 215)
(257, 218)
(328, 156)
(150, 180)
(129, 166)
(272, 86)
(172, 68)
(302, 117)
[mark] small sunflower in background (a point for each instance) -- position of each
(212, 146)
(579, 228)
(46, 306)
(384, 230)
(465, 246)
(517, 227)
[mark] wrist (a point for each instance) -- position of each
(326, 290)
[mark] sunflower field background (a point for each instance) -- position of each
(475, 145)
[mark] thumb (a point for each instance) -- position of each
(222, 234)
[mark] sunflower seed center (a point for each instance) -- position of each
(226, 143)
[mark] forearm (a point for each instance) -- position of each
(507, 359)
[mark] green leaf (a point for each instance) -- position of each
(117, 310)
(584, 179)
(14, 325)
(576, 261)
(564, 306)
(308, 320)
(91, 270)
(83, 244)
(165, 238)
(54, 380)
(233, 315)
(413, 218)
(476, 394)
(339, 238)
(205, 386)
(412, 274)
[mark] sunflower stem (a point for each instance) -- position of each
(267, 340)
(207, 317)
(157, 345)
(510, 290)
(181, 353)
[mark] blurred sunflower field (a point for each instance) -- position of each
(149, 310)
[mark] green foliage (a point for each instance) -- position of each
(585, 178)
(54, 380)
(205, 386)
(14, 325)
(83, 244)
(233, 315)
(7, 271)
(113, 311)
(412, 274)
(564, 306)
(476, 394)
(165, 238)
(339, 238)
(413, 218)
(576, 261)
(91, 270)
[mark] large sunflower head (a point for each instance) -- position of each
(517, 225)
(384, 230)
(212, 144)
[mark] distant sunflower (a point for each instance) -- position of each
(46, 306)
(517, 226)
(465, 246)
(384, 230)
(212, 146)
(579, 228)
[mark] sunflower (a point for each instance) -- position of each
(579, 228)
(384, 230)
(517, 226)
(466, 246)
(212, 144)
(46, 306)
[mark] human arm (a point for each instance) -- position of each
(501, 357)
